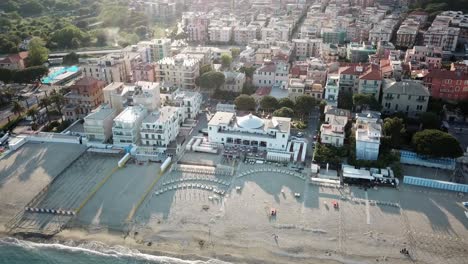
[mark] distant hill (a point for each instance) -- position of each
(432, 6)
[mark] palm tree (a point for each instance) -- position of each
(32, 112)
(58, 100)
(18, 108)
(45, 102)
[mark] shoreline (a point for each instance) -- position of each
(233, 254)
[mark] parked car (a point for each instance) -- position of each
(300, 134)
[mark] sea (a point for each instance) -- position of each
(15, 251)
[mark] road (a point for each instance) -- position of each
(89, 52)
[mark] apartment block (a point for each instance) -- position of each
(126, 126)
(409, 97)
(161, 127)
(98, 124)
(84, 96)
(110, 68)
(368, 130)
(181, 70)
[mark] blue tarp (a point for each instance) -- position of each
(443, 185)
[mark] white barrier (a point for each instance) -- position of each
(166, 164)
(123, 160)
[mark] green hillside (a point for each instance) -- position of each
(432, 6)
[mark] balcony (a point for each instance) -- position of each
(421, 99)
(388, 98)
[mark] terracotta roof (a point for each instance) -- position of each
(15, 57)
(262, 91)
(268, 68)
(444, 74)
(86, 81)
(373, 73)
(353, 68)
(23, 55)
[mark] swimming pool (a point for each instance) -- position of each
(58, 73)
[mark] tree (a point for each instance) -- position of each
(29, 75)
(249, 71)
(345, 100)
(327, 154)
(58, 100)
(429, 120)
(248, 88)
(284, 112)
(31, 7)
(245, 103)
(269, 103)
(366, 101)
(304, 105)
(212, 80)
(394, 128)
(38, 53)
(141, 31)
(101, 38)
(226, 60)
(286, 102)
(68, 37)
(205, 68)
(32, 112)
(235, 52)
(18, 108)
(71, 59)
(435, 143)
(6, 75)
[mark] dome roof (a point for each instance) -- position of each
(250, 122)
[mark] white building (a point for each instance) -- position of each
(332, 89)
(245, 34)
(271, 134)
(119, 95)
(161, 127)
(147, 94)
(220, 34)
(368, 130)
(189, 102)
(442, 36)
(181, 70)
(126, 127)
(98, 124)
(154, 50)
(333, 130)
(272, 74)
(110, 68)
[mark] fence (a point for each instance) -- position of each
(443, 185)
(411, 158)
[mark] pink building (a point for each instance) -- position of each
(143, 72)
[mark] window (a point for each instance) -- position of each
(396, 107)
(409, 97)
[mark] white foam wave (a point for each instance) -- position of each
(100, 249)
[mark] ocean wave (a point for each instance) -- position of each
(101, 249)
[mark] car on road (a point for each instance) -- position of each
(315, 137)
(465, 204)
(300, 134)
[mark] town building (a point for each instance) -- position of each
(272, 74)
(181, 70)
(370, 81)
(189, 102)
(110, 68)
(84, 96)
(332, 89)
(143, 72)
(15, 61)
(368, 130)
(268, 134)
(220, 34)
(448, 85)
(126, 126)
(154, 50)
(424, 57)
(333, 130)
(234, 81)
(98, 124)
(444, 37)
(161, 127)
(119, 95)
(359, 52)
(409, 97)
(406, 34)
(333, 36)
(245, 34)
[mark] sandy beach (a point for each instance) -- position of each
(208, 213)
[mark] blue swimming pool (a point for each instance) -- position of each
(56, 72)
